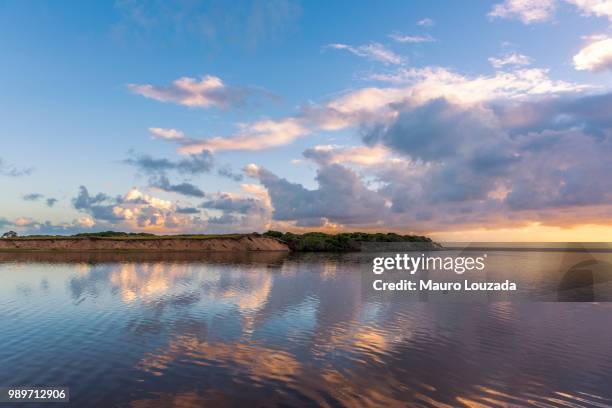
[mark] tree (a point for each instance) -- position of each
(10, 234)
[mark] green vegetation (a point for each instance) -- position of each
(348, 241)
(308, 242)
(9, 234)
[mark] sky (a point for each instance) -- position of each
(481, 120)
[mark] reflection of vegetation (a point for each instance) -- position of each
(319, 241)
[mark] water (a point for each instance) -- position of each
(142, 330)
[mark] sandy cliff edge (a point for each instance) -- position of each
(244, 243)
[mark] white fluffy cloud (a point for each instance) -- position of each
(527, 11)
(168, 134)
(536, 11)
(208, 91)
(425, 84)
(599, 8)
(597, 56)
(359, 155)
(256, 136)
(136, 210)
(374, 104)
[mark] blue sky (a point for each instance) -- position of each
(291, 97)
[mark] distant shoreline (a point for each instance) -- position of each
(268, 241)
(575, 248)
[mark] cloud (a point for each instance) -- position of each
(50, 202)
(157, 169)
(209, 91)
(362, 107)
(358, 155)
(446, 165)
(509, 59)
(12, 171)
(140, 211)
(232, 203)
(433, 82)
(5, 223)
(536, 11)
(99, 206)
(32, 197)
(527, 11)
(435, 131)
(599, 8)
(187, 189)
(342, 197)
(597, 56)
(249, 210)
(187, 210)
(372, 51)
(168, 134)
(23, 221)
(195, 164)
(256, 136)
(134, 211)
(211, 23)
(411, 39)
(226, 171)
(426, 22)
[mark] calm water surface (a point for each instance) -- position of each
(144, 330)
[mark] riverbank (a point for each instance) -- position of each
(268, 241)
(243, 243)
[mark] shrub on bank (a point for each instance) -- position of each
(347, 241)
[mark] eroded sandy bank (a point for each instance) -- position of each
(235, 244)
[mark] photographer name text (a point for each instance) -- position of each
(423, 263)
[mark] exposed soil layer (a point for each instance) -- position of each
(235, 244)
